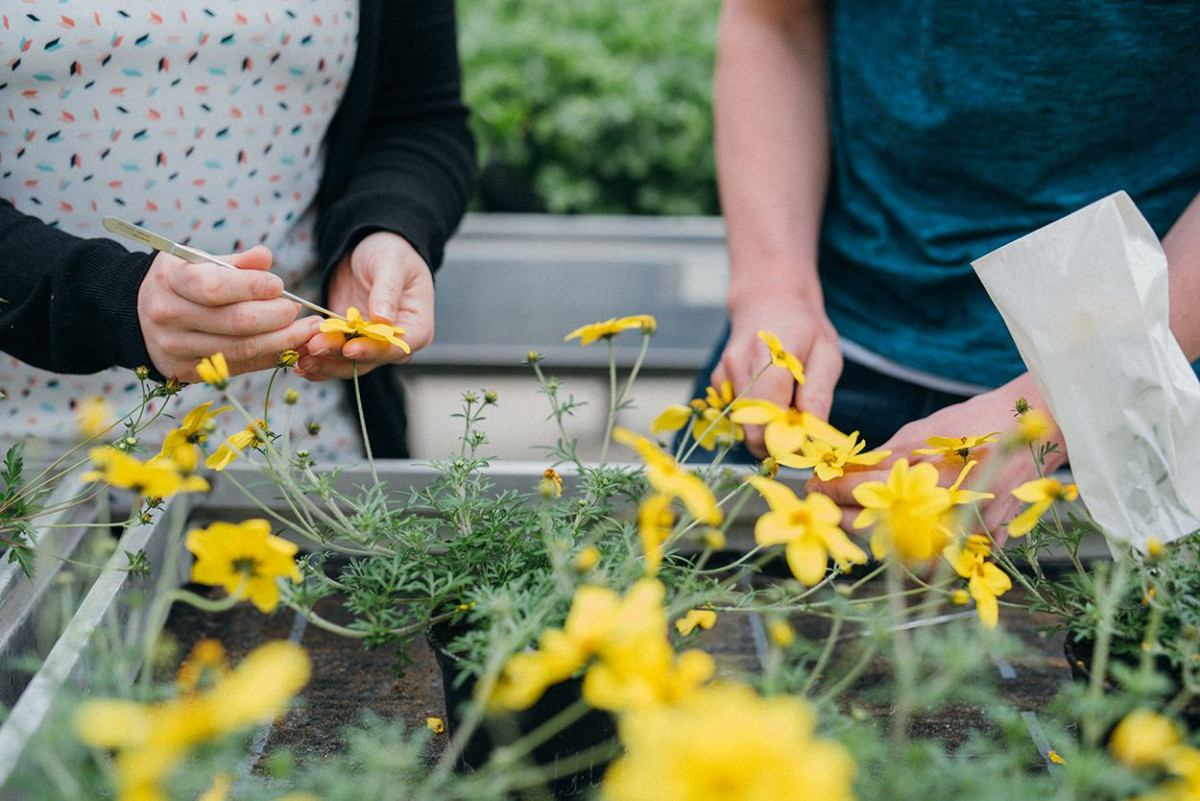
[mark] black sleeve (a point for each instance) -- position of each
(68, 304)
(400, 156)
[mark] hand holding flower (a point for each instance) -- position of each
(385, 281)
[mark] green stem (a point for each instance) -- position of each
(362, 421)
(904, 664)
(1108, 592)
(823, 659)
(611, 417)
(160, 604)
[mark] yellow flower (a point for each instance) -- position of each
(180, 444)
(961, 497)
(725, 742)
(960, 597)
(666, 476)
(157, 478)
(672, 418)
(259, 689)
(611, 327)
(655, 523)
(828, 460)
(435, 725)
(213, 370)
(1054, 757)
(560, 652)
(955, 446)
(624, 639)
(150, 740)
(586, 559)
(232, 448)
(244, 559)
(781, 358)
(641, 671)
(1143, 739)
(702, 618)
(94, 416)
(1033, 426)
(1041, 493)
(907, 514)
(206, 665)
(288, 358)
(784, 430)
(781, 633)
(985, 581)
(709, 426)
(809, 528)
(355, 326)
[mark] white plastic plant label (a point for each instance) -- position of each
(1085, 299)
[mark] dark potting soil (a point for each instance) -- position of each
(348, 679)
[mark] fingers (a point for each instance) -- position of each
(743, 359)
(190, 311)
(179, 355)
(212, 285)
(387, 279)
(821, 373)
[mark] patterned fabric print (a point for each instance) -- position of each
(199, 120)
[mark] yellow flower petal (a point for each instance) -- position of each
(214, 370)
(696, 618)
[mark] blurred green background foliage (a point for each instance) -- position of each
(596, 106)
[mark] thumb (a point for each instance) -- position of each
(386, 291)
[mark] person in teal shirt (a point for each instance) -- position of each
(867, 152)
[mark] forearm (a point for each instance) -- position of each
(772, 143)
(1182, 246)
(401, 157)
(69, 304)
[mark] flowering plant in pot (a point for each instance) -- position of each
(603, 577)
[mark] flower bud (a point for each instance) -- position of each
(586, 559)
(291, 396)
(781, 633)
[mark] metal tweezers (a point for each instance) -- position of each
(194, 255)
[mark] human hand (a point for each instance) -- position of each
(805, 332)
(1004, 462)
(388, 281)
(190, 311)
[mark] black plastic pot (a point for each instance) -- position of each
(1079, 657)
(590, 733)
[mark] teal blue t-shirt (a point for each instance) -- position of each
(961, 125)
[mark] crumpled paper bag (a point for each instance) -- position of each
(1085, 299)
